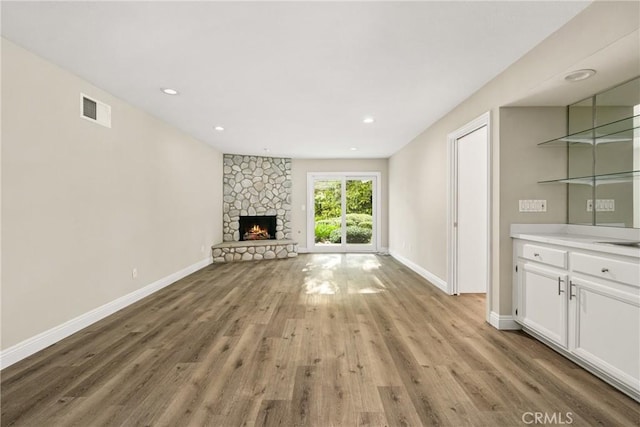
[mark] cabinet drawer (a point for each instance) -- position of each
(555, 257)
(607, 268)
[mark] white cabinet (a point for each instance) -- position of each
(605, 321)
(544, 305)
(583, 303)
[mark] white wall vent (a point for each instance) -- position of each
(95, 111)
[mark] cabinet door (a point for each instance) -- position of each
(605, 329)
(544, 302)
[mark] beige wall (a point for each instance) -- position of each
(299, 170)
(522, 164)
(82, 205)
(418, 172)
(418, 201)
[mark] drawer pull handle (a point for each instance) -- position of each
(605, 270)
(536, 254)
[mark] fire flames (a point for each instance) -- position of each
(256, 233)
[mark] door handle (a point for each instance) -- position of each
(571, 290)
(559, 287)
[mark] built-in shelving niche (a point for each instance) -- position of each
(603, 158)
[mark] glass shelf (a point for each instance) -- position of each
(609, 178)
(618, 131)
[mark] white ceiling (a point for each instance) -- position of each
(296, 78)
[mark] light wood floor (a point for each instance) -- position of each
(321, 340)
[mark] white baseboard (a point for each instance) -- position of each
(432, 278)
(38, 342)
(303, 250)
(503, 322)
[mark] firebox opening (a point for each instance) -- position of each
(258, 227)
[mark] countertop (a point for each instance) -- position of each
(580, 237)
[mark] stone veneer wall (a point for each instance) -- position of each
(255, 185)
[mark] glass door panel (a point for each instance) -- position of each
(359, 211)
(327, 197)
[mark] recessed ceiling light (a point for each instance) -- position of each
(169, 91)
(353, 149)
(219, 128)
(578, 75)
(368, 120)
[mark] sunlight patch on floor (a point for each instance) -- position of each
(366, 262)
(320, 287)
(326, 274)
(369, 291)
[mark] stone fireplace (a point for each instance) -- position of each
(256, 186)
(256, 209)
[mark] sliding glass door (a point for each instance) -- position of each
(342, 212)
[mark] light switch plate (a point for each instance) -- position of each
(602, 205)
(532, 205)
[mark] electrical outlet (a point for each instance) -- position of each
(542, 205)
(134, 273)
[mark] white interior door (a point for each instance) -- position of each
(472, 211)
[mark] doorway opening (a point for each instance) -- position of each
(469, 216)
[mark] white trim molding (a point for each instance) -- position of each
(38, 342)
(503, 322)
(452, 206)
(429, 276)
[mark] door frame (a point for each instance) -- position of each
(311, 176)
(452, 206)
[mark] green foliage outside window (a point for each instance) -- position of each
(327, 198)
(358, 229)
(355, 234)
(328, 212)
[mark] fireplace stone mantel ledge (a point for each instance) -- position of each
(254, 250)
